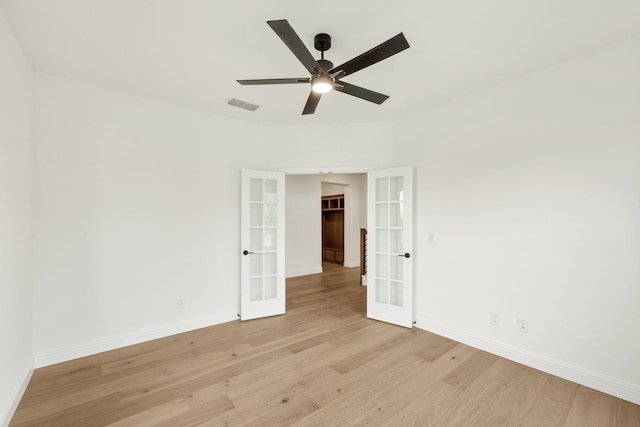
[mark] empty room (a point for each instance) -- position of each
(283, 213)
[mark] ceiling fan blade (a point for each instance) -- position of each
(382, 51)
(293, 42)
(360, 92)
(312, 103)
(274, 81)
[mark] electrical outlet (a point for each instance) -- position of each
(523, 326)
(494, 319)
(179, 303)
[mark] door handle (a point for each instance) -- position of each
(246, 252)
(406, 255)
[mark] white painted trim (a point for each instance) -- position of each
(304, 272)
(351, 264)
(88, 348)
(613, 386)
(11, 410)
(327, 170)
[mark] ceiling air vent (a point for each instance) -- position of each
(242, 104)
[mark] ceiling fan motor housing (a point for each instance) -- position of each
(325, 64)
(322, 42)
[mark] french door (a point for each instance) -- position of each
(262, 289)
(390, 244)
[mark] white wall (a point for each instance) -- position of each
(331, 189)
(138, 205)
(16, 170)
(531, 190)
(303, 225)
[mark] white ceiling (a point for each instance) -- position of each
(190, 52)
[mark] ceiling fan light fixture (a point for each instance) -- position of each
(322, 83)
(324, 77)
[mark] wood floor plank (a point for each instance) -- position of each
(346, 346)
(370, 352)
(322, 363)
(86, 413)
(362, 395)
(420, 395)
(319, 339)
(593, 408)
(399, 394)
(590, 408)
(434, 346)
(154, 416)
(551, 406)
(626, 413)
(290, 411)
(199, 413)
(277, 381)
(362, 377)
(429, 405)
(470, 370)
(520, 385)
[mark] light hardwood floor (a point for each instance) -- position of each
(321, 364)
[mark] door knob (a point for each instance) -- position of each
(246, 252)
(406, 255)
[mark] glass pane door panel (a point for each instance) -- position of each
(270, 190)
(396, 267)
(255, 216)
(395, 293)
(255, 265)
(382, 291)
(270, 260)
(270, 241)
(396, 245)
(396, 189)
(395, 214)
(255, 239)
(382, 264)
(382, 214)
(382, 189)
(382, 241)
(255, 289)
(270, 215)
(270, 288)
(255, 190)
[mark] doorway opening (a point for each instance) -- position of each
(304, 220)
(332, 206)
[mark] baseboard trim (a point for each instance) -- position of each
(595, 380)
(11, 410)
(305, 272)
(88, 348)
(351, 264)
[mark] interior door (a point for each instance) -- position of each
(390, 243)
(262, 290)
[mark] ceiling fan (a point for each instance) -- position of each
(324, 76)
